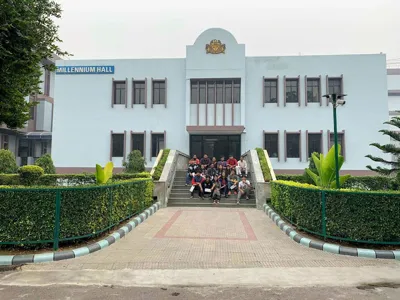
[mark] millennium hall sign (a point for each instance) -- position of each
(92, 70)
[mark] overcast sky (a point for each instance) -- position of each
(161, 28)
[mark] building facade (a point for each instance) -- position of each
(218, 101)
(34, 140)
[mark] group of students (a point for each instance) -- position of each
(213, 179)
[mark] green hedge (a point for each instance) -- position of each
(372, 183)
(68, 179)
(357, 216)
(264, 165)
(27, 215)
(160, 166)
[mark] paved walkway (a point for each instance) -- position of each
(205, 238)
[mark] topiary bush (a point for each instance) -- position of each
(160, 167)
(28, 213)
(29, 175)
(135, 162)
(8, 164)
(264, 165)
(46, 163)
(357, 216)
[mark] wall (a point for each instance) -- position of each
(361, 117)
(393, 83)
(83, 116)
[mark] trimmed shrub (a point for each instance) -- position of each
(296, 178)
(29, 175)
(350, 215)
(28, 214)
(160, 167)
(46, 163)
(264, 165)
(68, 179)
(8, 164)
(135, 162)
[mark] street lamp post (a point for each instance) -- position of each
(336, 101)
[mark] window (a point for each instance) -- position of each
(271, 91)
(25, 148)
(5, 142)
(159, 92)
(292, 90)
(211, 92)
(44, 148)
(118, 145)
(313, 93)
(119, 92)
(139, 96)
(314, 143)
(32, 113)
(271, 144)
(335, 86)
(293, 145)
(47, 78)
(157, 143)
(138, 142)
(220, 91)
(340, 141)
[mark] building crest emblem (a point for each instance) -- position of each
(215, 47)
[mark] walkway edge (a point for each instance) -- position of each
(8, 260)
(332, 248)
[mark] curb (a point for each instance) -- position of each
(326, 247)
(8, 260)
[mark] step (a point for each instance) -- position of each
(208, 200)
(202, 204)
(186, 193)
(186, 190)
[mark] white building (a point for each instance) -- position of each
(218, 101)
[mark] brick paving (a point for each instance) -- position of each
(182, 238)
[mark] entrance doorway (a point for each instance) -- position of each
(215, 145)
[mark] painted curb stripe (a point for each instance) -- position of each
(103, 244)
(22, 259)
(6, 260)
(116, 236)
(327, 247)
(63, 255)
(44, 257)
(81, 251)
(331, 248)
(130, 227)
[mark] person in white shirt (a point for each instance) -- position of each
(244, 189)
(241, 167)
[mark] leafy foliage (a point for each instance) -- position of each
(325, 165)
(8, 165)
(264, 165)
(357, 216)
(46, 163)
(388, 149)
(312, 167)
(28, 35)
(104, 175)
(68, 179)
(160, 167)
(29, 175)
(135, 163)
(28, 214)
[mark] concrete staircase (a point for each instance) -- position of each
(180, 196)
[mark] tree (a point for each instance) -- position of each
(8, 165)
(46, 163)
(27, 36)
(135, 162)
(388, 148)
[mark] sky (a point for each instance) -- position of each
(161, 29)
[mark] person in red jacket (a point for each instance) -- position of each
(231, 163)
